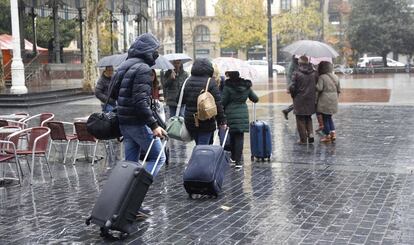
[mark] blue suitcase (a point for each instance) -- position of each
(260, 139)
(206, 170)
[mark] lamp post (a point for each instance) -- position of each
(124, 13)
(178, 27)
(269, 39)
(17, 67)
(79, 7)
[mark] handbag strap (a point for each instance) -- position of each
(208, 83)
(180, 100)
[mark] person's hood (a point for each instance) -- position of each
(306, 68)
(144, 47)
(202, 67)
(238, 84)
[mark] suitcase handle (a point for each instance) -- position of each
(225, 137)
(159, 155)
(254, 111)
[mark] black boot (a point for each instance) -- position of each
(285, 113)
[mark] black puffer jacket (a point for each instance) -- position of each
(101, 90)
(134, 98)
(200, 72)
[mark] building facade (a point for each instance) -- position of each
(200, 28)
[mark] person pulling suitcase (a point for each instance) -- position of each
(123, 194)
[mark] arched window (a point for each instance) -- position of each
(202, 34)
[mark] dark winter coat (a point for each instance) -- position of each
(200, 72)
(303, 90)
(171, 87)
(135, 89)
(234, 96)
(102, 90)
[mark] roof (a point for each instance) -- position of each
(6, 42)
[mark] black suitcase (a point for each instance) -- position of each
(121, 197)
(206, 169)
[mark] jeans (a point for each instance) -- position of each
(137, 137)
(328, 124)
(173, 110)
(201, 138)
(108, 108)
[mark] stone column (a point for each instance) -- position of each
(17, 67)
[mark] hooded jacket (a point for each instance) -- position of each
(135, 87)
(201, 71)
(235, 93)
(304, 87)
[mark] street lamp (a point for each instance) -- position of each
(17, 67)
(269, 39)
(178, 27)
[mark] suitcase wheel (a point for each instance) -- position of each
(88, 220)
(123, 236)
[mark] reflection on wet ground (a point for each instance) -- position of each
(358, 190)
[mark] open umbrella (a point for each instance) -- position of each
(178, 56)
(311, 48)
(115, 60)
(232, 64)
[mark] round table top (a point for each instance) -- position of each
(12, 117)
(8, 130)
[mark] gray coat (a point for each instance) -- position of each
(303, 90)
(172, 87)
(328, 89)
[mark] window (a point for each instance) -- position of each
(202, 34)
(285, 4)
(201, 7)
(165, 8)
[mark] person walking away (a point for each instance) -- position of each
(235, 93)
(303, 92)
(102, 89)
(201, 131)
(328, 88)
(293, 65)
(172, 82)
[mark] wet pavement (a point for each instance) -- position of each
(359, 190)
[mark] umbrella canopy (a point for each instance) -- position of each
(311, 48)
(232, 64)
(178, 56)
(115, 60)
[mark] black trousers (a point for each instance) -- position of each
(236, 144)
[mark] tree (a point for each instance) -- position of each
(303, 22)
(379, 27)
(90, 44)
(105, 34)
(242, 23)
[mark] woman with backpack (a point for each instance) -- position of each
(235, 93)
(201, 129)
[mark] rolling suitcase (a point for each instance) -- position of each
(121, 197)
(260, 138)
(206, 169)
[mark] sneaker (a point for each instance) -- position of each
(238, 165)
(311, 140)
(286, 114)
(301, 142)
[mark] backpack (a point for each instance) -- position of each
(206, 105)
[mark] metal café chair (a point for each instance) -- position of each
(40, 119)
(59, 136)
(7, 153)
(38, 139)
(84, 138)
